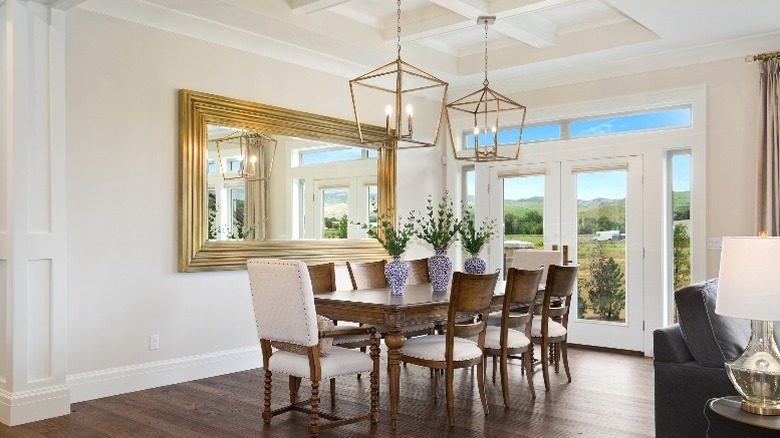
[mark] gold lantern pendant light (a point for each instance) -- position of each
(485, 106)
(390, 94)
(256, 150)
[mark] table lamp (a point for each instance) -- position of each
(749, 287)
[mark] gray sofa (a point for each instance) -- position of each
(689, 358)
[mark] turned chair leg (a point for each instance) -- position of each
(332, 391)
(267, 398)
(314, 428)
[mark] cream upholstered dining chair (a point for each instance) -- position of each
(469, 293)
(284, 310)
(545, 330)
(512, 336)
(323, 280)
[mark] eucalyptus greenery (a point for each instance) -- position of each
(393, 238)
(438, 226)
(473, 238)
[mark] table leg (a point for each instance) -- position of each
(394, 341)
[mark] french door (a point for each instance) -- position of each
(593, 209)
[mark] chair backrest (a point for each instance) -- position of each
(522, 287)
(418, 272)
(470, 294)
(368, 275)
(532, 259)
(323, 277)
(283, 301)
(557, 292)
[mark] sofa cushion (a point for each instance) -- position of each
(711, 338)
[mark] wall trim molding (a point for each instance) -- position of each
(121, 380)
(33, 405)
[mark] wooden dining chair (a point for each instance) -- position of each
(512, 337)
(283, 303)
(367, 275)
(469, 294)
(545, 330)
(418, 272)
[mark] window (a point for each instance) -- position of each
(212, 166)
(236, 213)
(321, 156)
(233, 165)
(335, 209)
(640, 121)
(680, 217)
(645, 120)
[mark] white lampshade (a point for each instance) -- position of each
(749, 279)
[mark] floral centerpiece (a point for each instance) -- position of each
(438, 227)
(473, 239)
(394, 238)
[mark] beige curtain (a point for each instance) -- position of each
(769, 148)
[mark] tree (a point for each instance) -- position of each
(605, 287)
(342, 224)
(682, 256)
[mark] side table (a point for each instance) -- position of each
(727, 419)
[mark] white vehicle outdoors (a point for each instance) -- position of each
(605, 236)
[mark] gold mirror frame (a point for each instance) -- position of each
(196, 252)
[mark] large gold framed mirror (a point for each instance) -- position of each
(257, 180)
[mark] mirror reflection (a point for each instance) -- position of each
(287, 202)
(264, 187)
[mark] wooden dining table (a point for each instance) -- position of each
(419, 304)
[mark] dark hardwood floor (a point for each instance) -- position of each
(611, 395)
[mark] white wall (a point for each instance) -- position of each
(122, 81)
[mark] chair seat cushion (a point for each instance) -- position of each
(432, 347)
(339, 362)
(340, 340)
(514, 339)
(554, 329)
(323, 325)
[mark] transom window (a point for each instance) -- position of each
(642, 120)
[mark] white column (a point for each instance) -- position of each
(33, 270)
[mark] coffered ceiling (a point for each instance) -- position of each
(542, 42)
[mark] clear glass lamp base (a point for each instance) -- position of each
(756, 374)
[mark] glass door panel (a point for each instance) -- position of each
(601, 245)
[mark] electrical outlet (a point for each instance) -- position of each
(154, 342)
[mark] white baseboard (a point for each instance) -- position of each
(105, 383)
(33, 405)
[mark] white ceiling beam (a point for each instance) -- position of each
(309, 6)
(531, 29)
(467, 8)
(522, 25)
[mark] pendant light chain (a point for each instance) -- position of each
(398, 29)
(486, 82)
